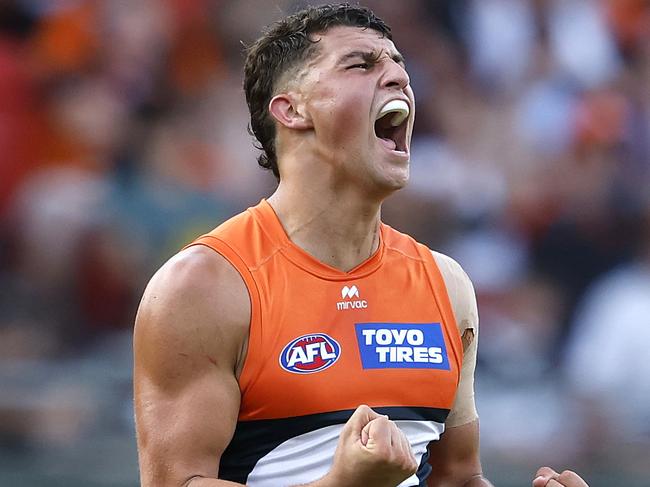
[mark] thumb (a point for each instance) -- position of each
(376, 433)
(359, 419)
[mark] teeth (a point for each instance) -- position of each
(399, 107)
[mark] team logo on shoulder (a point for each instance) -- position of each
(310, 353)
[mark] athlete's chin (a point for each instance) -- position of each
(394, 179)
(398, 174)
(384, 174)
(397, 184)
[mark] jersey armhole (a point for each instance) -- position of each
(253, 343)
(439, 288)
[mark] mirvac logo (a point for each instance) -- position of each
(348, 295)
(310, 353)
(402, 346)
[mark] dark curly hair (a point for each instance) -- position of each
(284, 46)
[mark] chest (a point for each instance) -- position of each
(385, 339)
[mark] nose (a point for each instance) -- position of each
(395, 75)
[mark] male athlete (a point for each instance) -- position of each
(303, 342)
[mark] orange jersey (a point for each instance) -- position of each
(323, 341)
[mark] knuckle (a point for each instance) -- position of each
(383, 421)
(568, 475)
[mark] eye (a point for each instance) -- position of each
(359, 66)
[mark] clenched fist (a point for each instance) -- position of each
(371, 451)
(547, 477)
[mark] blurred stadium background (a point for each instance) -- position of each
(123, 135)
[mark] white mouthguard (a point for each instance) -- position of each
(399, 107)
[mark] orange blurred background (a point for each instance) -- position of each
(123, 135)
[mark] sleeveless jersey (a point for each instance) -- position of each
(323, 341)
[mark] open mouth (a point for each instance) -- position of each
(391, 125)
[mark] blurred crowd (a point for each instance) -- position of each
(123, 134)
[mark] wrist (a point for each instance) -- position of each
(478, 481)
(329, 480)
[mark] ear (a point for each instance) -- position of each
(284, 108)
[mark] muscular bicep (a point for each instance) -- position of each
(455, 457)
(182, 434)
(187, 341)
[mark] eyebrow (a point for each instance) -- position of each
(371, 56)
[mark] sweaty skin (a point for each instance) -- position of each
(191, 328)
(190, 339)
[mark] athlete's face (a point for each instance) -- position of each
(347, 87)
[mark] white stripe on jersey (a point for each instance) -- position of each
(308, 457)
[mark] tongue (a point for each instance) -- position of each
(389, 143)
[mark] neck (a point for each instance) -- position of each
(336, 227)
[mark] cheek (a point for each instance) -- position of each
(342, 114)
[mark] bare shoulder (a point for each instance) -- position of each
(195, 307)
(189, 341)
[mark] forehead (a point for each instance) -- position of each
(339, 40)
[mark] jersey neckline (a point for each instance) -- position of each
(271, 225)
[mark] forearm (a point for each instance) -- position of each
(205, 482)
(478, 481)
(331, 479)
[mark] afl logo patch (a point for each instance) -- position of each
(310, 353)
